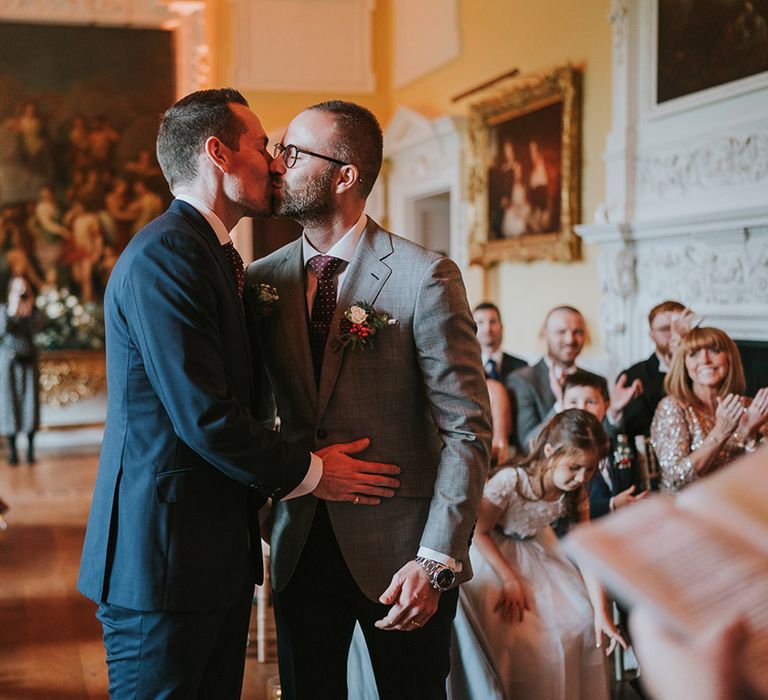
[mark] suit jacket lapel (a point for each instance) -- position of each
(545, 391)
(204, 231)
(203, 228)
(366, 276)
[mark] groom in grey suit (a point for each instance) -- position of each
(415, 385)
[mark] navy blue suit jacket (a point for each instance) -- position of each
(184, 464)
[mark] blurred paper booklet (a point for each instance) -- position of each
(695, 560)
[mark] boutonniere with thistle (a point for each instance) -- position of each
(359, 326)
(260, 298)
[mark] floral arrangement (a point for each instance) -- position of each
(67, 323)
(261, 298)
(360, 325)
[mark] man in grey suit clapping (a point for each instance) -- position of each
(371, 335)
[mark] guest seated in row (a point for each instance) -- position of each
(530, 617)
(490, 334)
(537, 388)
(498, 366)
(704, 422)
(618, 481)
(651, 372)
(537, 391)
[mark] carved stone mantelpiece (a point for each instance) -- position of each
(686, 210)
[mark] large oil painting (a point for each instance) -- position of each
(707, 43)
(79, 109)
(523, 170)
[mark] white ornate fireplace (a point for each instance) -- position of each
(686, 209)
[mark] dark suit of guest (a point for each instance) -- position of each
(533, 401)
(601, 492)
(638, 414)
(172, 546)
(509, 363)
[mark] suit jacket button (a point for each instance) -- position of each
(321, 434)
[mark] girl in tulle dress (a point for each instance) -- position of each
(529, 610)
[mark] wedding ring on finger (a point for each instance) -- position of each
(356, 500)
(414, 624)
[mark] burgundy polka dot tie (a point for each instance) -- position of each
(236, 262)
(323, 306)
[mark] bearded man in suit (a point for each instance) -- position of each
(172, 548)
(371, 333)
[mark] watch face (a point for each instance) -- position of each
(444, 579)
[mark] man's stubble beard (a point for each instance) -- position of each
(309, 204)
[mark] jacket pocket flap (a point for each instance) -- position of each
(173, 486)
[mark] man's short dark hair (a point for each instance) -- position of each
(360, 140)
(665, 307)
(582, 378)
(186, 125)
(487, 306)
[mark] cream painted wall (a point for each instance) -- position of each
(275, 109)
(496, 35)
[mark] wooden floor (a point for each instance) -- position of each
(50, 641)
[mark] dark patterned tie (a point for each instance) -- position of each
(236, 263)
(323, 306)
(492, 370)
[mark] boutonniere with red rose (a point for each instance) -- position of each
(360, 325)
(260, 298)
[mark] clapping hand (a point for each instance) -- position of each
(728, 414)
(622, 394)
(756, 415)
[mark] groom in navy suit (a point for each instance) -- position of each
(172, 549)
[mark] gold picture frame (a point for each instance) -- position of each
(523, 171)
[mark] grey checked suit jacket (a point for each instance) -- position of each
(419, 394)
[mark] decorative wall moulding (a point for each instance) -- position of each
(733, 161)
(414, 56)
(133, 12)
(303, 45)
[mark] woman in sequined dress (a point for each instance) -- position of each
(704, 422)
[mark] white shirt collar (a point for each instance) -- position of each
(209, 215)
(663, 366)
(497, 357)
(344, 248)
(560, 371)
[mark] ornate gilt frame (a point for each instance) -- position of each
(521, 98)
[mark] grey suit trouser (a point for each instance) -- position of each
(315, 617)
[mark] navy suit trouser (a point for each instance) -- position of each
(176, 655)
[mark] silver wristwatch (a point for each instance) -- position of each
(441, 577)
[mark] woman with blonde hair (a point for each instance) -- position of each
(704, 422)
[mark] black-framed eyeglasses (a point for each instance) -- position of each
(290, 154)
